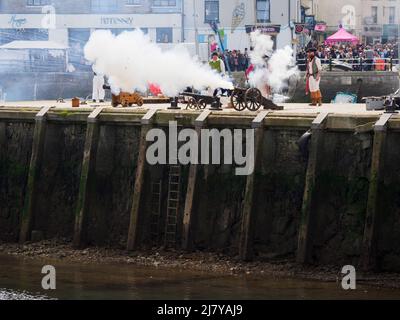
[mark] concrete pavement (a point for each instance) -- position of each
(289, 108)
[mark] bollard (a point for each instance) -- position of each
(216, 104)
(174, 104)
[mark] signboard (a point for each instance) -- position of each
(299, 28)
(320, 27)
(119, 21)
(109, 21)
(267, 29)
(309, 20)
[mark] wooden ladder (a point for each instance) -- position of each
(174, 187)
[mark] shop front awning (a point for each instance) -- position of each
(47, 45)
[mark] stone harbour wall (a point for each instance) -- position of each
(81, 175)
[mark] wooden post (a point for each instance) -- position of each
(139, 178)
(3, 148)
(191, 187)
(88, 165)
(34, 167)
(368, 257)
(246, 233)
(3, 140)
(304, 248)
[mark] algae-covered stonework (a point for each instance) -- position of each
(16, 145)
(112, 185)
(279, 194)
(58, 180)
(388, 252)
(341, 193)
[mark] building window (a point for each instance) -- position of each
(263, 11)
(374, 14)
(134, 2)
(392, 15)
(164, 35)
(211, 11)
(9, 35)
(37, 2)
(77, 39)
(164, 3)
(104, 6)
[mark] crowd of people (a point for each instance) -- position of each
(235, 60)
(361, 57)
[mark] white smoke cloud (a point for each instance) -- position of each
(131, 61)
(262, 46)
(276, 72)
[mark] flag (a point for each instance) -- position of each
(238, 15)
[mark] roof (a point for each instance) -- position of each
(342, 36)
(34, 45)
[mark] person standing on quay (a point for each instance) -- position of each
(98, 90)
(219, 66)
(313, 77)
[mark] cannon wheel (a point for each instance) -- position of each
(237, 100)
(115, 101)
(192, 104)
(253, 99)
(202, 104)
(140, 102)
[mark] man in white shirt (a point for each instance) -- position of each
(98, 90)
(313, 77)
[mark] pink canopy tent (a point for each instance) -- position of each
(341, 36)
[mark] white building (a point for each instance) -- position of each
(167, 22)
(235, 18)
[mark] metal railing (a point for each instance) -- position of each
(355, 64)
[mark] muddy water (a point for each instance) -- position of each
(21, 279)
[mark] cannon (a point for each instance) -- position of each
(198, 101)
(125, 99)
(251, 99)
